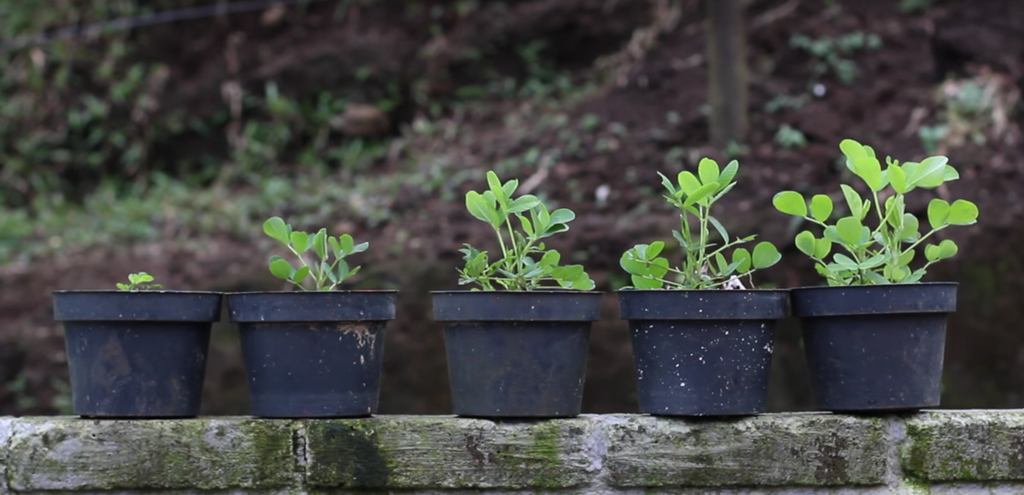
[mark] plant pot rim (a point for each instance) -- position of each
(144, 305)
(140, 292)
(871, 286)
(703, 304)
(868, 300)
(517, 306)
(536, 291)
(622, 291)
(293, 293)
(302, 306)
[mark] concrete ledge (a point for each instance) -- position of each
(937, 452)
(966, 446)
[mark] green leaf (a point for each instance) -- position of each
(950, 174)
(821, 248)
(898, 179)
(791, 203)
(875, 278)
(962, 212)
(658, 268)
(342, 270)
(845, 261)
(853, 201)
(723, 265)
(667, 184)
(805, 242)
(123, 286)
(301, 274)
(509, 188)
(550, 258)
(910, 228)
(701, 193)
(730, 171)
(643, 283)
(562, 215)
(742, 256)
(320, 243)
(494, 183)
(629, 261)
(720, 228)
(765, 255)
(852, 149)
(849, 230)
(931, 172)
(477, 207)
(869, 169)
(655, 249)
(832, 234)
(527, 225)
(346, 243)
(947, 249)
(280, 268)
(688, 182)
(708, 171)
(523, 203)
(682, 241)
(906, 258)
(931, 252)
(300, 241)
(938, 212)
(358, 248)
(277, 229)
(821, 207)
(872, 262)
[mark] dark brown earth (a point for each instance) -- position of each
(655, 91)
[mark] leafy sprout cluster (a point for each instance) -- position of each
(882, 254)
(525, 262)
(325, 274)
(139, 281)
(704, 264)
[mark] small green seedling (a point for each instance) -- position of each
(525, 263)
(138, 281)
(705, 265)
(881, 255)
(326, 274)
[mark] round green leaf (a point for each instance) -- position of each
(821, 248)
(742, 256)
(765, 255)
(938, 212)
(281, 268)
(849, 230)
(962, 212)
(300, 241)
(688, 182)
(805, 243)
(845, 262)
(898, 179)
(947, 249)
(821, 207)
(277, 229)
(708, 171)
(790, 203)
(932, 252)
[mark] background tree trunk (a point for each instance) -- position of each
(727, 59)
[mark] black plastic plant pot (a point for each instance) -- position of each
(138, 354)
(312, 354)
(875, 347)
(516, 354)
(702, 352)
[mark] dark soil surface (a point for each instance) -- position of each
(655, 96)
